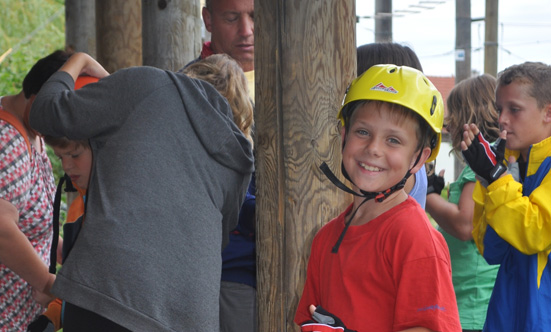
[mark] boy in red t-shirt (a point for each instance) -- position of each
(381, 265)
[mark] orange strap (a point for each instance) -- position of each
(54, 313)
(76, 209)
(11, 119)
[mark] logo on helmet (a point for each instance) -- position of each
(382, 87)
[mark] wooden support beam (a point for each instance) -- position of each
(171, 33)
(490, 37)
(119, 33)
(305, 57)
(80, 26)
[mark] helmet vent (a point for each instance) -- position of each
(433, 141)
(433, 106)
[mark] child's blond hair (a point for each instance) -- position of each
(64, 142)
(464, 106)
(228, 78)
(535, 74)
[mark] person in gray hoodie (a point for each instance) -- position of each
(168, 162)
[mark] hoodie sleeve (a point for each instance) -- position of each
(95, 110)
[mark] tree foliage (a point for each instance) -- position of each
(29, 30)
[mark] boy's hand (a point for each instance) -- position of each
(323, 321)
(436, 183)
(485, 160)
(41, 324)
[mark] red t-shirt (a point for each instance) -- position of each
(389, 274)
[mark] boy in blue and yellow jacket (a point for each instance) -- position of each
(512, 217)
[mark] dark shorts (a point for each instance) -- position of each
(76, 319)
(238, 312)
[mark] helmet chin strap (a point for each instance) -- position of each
(379, 196)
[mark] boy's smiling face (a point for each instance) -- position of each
(380, 147)
(519, 114)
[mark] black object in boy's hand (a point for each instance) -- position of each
(324, 321)
(485, 160)
(435, 184)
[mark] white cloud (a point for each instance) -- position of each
(524, 32)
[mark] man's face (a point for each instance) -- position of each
(231, 24)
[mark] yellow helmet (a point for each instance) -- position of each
(403, 86)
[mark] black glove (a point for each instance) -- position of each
(41, 324)
(324, 322)
(485, 160)
(435, 184)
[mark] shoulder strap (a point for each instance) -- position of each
(11, 119)
(55, 239)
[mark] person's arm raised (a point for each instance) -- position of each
(455, 219)
(83, 64)
(485, 159)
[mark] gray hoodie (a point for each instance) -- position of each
(170, 173)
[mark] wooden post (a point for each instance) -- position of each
(171, 33)
(119, 33)
(383, 21)
(462, 40)
(305, 57)
(80, 26)
(490, 37)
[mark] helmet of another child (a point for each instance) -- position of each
(83, 80)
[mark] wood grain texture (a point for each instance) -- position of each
(171, 33)
(80, 26)
(305, 57)
(119, 33)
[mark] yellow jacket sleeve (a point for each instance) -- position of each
(523, 221)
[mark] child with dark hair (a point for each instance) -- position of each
(26, 199)
(386, 53)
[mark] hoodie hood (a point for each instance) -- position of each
(212, 119)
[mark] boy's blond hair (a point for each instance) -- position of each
(535, 74)
(64, 142)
